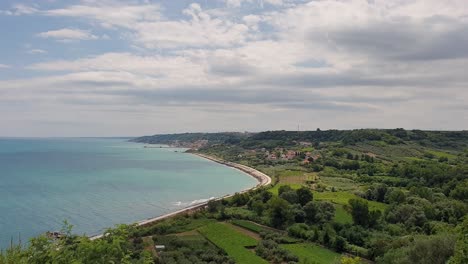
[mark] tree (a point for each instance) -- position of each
(374, 217)
(258, 207)
(395, 196)
(434, 250)
(299, 214)
(461, 191)
(359, 211)
(340, 244)
(290, 196)
(304, 195)
(319, 212)
(423, 249)
(284, 188)
(213, 206)
(311, 211)
(461, 247)
(240, 199)
(279, 212)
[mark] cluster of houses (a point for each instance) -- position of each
(281, 154)
(285, 155)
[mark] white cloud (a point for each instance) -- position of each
(37, 51)
(4, 66)
(237, 3)
(274, 2)
(68, 34)
(20, 9)
(110, 14)
(200, 30)
(392, 62)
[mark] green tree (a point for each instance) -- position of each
(284, 188)
(461, 247)
(290, 196)
(279, 212)
(359, 211)
(304, 195)
(339, 244)
(258, 207)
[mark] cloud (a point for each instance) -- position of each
(36, 51)
(68, 34)
(430, 39)
(237, 3)
(199, 30)
(110, 14)
(20, 9)
(242, 67)
(4, 66)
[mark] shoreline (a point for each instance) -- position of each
(262, 178)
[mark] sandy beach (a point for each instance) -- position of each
(261, 177)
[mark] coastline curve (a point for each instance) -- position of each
(262, 178)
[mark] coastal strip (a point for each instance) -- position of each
(262, 178)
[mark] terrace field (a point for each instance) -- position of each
(233, 242)
(311, 253)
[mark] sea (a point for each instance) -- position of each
(97, 183)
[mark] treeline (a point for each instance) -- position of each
(119, 245)
(224, 137)
(271, 139)
(454, 139)
(411, 229)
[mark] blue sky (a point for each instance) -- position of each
(135, 67)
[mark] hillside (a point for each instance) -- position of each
(354, 196)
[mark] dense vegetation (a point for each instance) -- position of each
(229, 137)
(386, 196)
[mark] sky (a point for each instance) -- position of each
(139, 67)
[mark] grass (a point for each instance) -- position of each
(440, 154)
(339, 183)
(195, 240)
(258, 228)
(297, 179)
(311, 253)
(175, 225)
(307, 149)
(290, 173)
(239, 212)
(232, 242)
(274, 189)
(248, 225)
(341, 215)
(342, 198)
(413, 159)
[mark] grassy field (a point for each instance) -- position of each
(311, 253)
(248, 225)
(290, 173)
(275, 188)
(342, 198)
(340, 183)
(233, 242)
(301, 179)
(341, 215)
(440, 154)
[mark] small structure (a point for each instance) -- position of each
(291, 154)
(272, 156)
(54, 234)
(160, 247)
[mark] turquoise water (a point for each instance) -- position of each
(97, 183)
